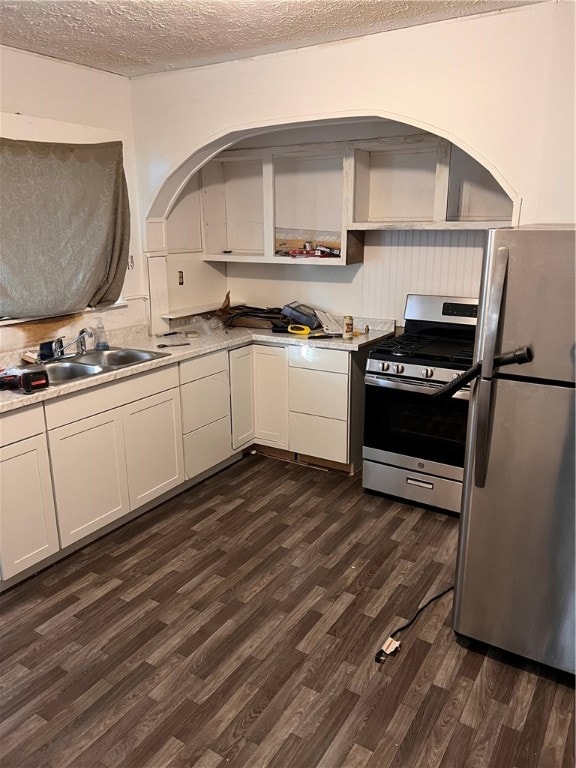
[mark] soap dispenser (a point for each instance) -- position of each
(100, 340)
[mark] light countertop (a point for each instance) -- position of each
(208, 340)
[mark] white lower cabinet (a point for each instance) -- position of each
(319, 403)
(259, 395)
(206, 447)
(89, 472)
(242, 396)
(319, 437)
(304, 399)
(28, 532)
(115, 461)
(271, 395)
(153, 441)
(205, 398)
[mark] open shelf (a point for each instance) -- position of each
(256, 205)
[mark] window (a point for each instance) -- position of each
(64, 227)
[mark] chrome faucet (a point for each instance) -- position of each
(80, 340)
(52, 350)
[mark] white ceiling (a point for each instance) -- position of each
(141, 37)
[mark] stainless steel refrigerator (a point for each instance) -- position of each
(515, 571)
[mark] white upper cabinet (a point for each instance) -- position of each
(474, 194)
(424, 182)
(233, 206)
(308, 188)
(398, 181)
(262, 205)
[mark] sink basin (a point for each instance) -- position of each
(65, 370)
(94, 362)
(118, 358)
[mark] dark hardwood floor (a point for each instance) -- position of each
(236, 626)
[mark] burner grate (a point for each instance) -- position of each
(431, 349)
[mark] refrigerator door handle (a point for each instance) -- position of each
(483, 397)
(499, 270)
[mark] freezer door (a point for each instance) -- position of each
(537, 305)
(515, 573)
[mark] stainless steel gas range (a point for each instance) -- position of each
(413, 443)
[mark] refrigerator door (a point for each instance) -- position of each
(533, 306)
(515, 573)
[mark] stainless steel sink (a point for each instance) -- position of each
(95, 362)
(66, 370)
(118, 357)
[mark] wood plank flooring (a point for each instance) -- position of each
(236, 626)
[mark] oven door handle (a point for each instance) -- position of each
(380, 381)
(374, 380)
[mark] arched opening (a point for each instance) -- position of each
(216, 217)
(174, 184)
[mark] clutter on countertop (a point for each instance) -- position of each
(202, 334)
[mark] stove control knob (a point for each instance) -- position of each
(398, 368)
(384, 366)
(427, 373)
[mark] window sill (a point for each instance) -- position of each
(4, 321)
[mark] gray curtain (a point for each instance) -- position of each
(64, 227)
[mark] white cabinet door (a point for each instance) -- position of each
(271, 395)
(204, 401)
(320, 393)
(319, 437)
(28, 532)
(320, 403)
(206, 447)
(241, 396)
(153, 437)
(89, 474)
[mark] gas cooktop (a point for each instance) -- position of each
(438, 342)
(415, 347)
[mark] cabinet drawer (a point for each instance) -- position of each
(206, 447)
(319, 393)
(303, 356)
(199, 367)
(320, 437)
(79, 405)
(21, 423)
(423, 489)
(204, 401)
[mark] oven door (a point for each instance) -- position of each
(405, 427)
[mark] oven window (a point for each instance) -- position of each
(415, 424)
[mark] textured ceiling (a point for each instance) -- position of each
(140, 37)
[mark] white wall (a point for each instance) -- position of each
(47, 100)
(501, 86)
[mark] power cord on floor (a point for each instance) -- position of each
(392, 645)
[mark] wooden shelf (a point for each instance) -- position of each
(238, 256)
(404, 225)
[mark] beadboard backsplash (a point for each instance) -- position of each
(400, 262)
(396, 262)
